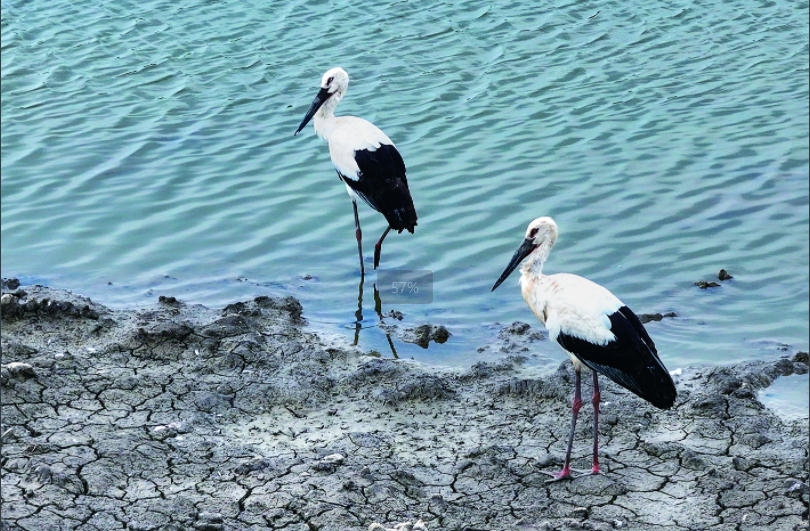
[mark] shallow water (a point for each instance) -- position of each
(148, 149)
(783, 397)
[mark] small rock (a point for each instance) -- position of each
(755, 440)
(580, 512)
(10, 306)
(422, 335)
(794, 488)
(702, 284)
(9, 300)
(394, 314)
(723, 275)
(334, 458)
(288, 304)
(11, 283)
(744, 393)
(18, 369)
(741, 463)
(518, 328)
(801, 357)
(692, 460)
(647, 317)
(209, 522)
(725, 383)
(89, 313)
(784, 367)
(329, 463)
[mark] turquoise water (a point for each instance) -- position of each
(148, 149)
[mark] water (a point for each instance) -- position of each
(148, 149)
(781, 396)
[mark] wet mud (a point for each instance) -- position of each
(181, 417)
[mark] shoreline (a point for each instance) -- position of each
(179, 416)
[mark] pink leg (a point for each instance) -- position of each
(359, 234)
(378, 247)
(595, 401)
(575, 406)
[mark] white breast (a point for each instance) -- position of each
(572, 305)
(347, 134)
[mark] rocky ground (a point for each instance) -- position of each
(180, 417)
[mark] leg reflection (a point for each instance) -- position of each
(358, 316)
(378, 309)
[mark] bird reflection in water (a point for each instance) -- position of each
(358, 315)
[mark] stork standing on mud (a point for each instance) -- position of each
(365, 159)
(594, 327)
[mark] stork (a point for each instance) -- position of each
(595, 329)
(365, 159)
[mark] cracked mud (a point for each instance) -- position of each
(181, 417)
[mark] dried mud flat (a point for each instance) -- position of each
(181, 417)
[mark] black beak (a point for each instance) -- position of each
(522, 252)
(319, 100)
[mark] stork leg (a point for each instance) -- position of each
(577, 404)
(378, 247)
(595, 401)
(359, 234)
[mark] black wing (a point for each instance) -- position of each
(630, 360)
(382, 184)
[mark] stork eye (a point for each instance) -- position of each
(329, 81)
(533, 233)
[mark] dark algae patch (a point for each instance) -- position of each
(180, 417)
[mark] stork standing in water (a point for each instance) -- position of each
(594, 327)
(365, 159)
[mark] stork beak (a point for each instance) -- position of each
(522, 252)
(319, 100)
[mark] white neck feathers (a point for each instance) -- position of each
(532, 267)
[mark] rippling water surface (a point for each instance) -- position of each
(148, 149)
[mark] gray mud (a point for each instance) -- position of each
(180, 417)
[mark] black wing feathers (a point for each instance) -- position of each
(383, 185)
(630, 360)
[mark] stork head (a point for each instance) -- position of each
(335, 80)
(540, 232)
(333, 85)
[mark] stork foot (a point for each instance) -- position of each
(565, 473)
(592, 472)
(569, 473)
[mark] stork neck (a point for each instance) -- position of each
(533, 266)
(326, 115)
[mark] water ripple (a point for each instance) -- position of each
(150, 145)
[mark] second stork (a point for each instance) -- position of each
(594, 327)
(365, 159)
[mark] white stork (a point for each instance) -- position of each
(594, 327)
(365, 159)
